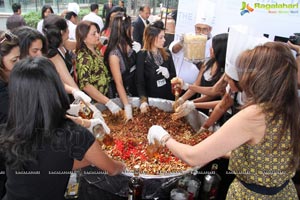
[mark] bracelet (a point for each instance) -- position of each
(165, 139)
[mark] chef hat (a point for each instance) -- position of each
(73, 7)
(206, 20)
(240, 38)
(206, 12)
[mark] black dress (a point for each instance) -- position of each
(3, 118)
(148, 82)
(47, 178)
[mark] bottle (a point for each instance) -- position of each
(101, 136)
(179, 194)
(176, 90)
(72, 191)
(85, 112)
(211, 184)
(135, 185)
(190, 184)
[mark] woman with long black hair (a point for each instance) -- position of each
(41, 145)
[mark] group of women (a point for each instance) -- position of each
(37, 72)
(38, 138)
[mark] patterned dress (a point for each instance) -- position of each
(91, 70)
(264, 164)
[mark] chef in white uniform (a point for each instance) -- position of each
(187, 70)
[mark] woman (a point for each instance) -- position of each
(263, 137)
(57, 33)
(93, 75)
(155, 66)
(121, 59)
(40, 140)
(46, 10)
(210, 72)
(9, 55)
(105, 32)
(32, 42)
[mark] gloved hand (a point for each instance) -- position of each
(97, 121)
(114, 108)
(202, 130)
(144, 107)
(74, 109)
(184, 109)
(164, 71)
(177, 103)
(128, 111)
(180, 82)
(157, 133)
(136, 46)
(96, 113)
(79, 94)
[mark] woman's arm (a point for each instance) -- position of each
(247, 126)
(203, 98)
(217, 90)
(63, 72)
(114, 64)
(95, 94)
(206, 105)
(219, 110)
(96, 156)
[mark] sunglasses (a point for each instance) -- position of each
(7, 37)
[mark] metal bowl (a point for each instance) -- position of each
(154, 185)
(194, 118)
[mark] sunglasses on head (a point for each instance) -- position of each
(7, 37)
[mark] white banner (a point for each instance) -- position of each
(281, 18)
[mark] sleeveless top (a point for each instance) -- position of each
(266, 164)
(68, 59)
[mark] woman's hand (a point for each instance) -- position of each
(114, 108)
(184, 109)
(157, 133)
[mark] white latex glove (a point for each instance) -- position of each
(77, 94)
(164, 71)
(202, 130)
(114, 108)
(74, 109)
(144, 107)
(178, 103)
(128, 111)
(97, 121)
(184, 109)
(156, 132)
(136, 46)
(180, 82)
(96, 113)
(184, 85)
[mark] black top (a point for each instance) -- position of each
(148, 82)
(48, 178)
(106, 9)
(138, 30)
(68, 58)
(3, 101)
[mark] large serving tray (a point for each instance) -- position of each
(194, 118)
